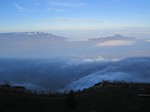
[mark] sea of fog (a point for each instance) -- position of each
(59, 74)
(42, 61)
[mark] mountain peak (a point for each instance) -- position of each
(117, 35)
(114, 37)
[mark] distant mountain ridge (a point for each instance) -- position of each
(115, 37)
(37, 35)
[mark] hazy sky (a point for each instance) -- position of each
(65, 17)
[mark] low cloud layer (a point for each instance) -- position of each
(66, 74)
(116, 43)
(128, 70)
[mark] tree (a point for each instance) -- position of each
(71, 100)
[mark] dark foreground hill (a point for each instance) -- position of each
(103, 97)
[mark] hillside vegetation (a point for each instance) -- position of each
(102, 97)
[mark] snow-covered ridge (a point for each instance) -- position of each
(31, 35)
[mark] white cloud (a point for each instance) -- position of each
(135, 14)
(56, 10)
(91, 21)
(147, 40)
(116, 43)
(19, 7)
(64, 4)
(99, 58)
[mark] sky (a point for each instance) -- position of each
(77, 18)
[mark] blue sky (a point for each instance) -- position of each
(130, 17)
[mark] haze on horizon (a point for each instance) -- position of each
(79, 19)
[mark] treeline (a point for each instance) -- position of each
(103, 84)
